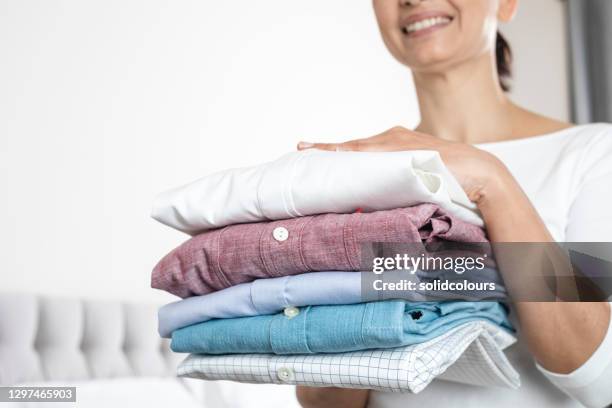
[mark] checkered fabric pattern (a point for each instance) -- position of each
(470, 353)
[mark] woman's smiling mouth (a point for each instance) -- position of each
(424, 23)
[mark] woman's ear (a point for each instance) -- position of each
(507, 10)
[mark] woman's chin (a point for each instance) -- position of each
(429, 61)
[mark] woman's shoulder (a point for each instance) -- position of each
(589, 143)
(537, 126)
(589, 146)
(596, 136)
(593, 145)
(600, 129)
(529, 124)
(565, 135)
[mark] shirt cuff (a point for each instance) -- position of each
(589, 383)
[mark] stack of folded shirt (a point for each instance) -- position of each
(271, 281)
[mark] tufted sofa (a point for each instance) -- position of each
(58, 339)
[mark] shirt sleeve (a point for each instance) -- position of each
(589, 383)
(590, 220)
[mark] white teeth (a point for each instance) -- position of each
(426, 23)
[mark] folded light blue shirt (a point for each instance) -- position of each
(261, 297)
(335, 328)
(268, 296)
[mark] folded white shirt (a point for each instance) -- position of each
(314, 182)
(470, 353)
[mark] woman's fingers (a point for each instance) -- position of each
(394, 139)
(320, 146)
(351, 146)
(333, 147)
(305, 145)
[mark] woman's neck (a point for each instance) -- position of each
(466, 103)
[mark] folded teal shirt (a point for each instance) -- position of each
(335, 328)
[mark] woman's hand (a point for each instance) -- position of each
(330, 397)
(475, 169)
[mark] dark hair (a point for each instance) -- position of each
(503, 55)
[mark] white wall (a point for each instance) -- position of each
(105, 103)
(538, 38)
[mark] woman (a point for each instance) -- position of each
(534, 179)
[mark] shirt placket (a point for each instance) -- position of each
(280, 247)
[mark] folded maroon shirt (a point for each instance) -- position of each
(217, 259)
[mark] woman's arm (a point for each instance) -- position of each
(561, 335)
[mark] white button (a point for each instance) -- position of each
(280, 234)
(285, 374)
(291, 312)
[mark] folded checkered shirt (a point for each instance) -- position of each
(470, 353)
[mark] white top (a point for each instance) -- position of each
(568, 177)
